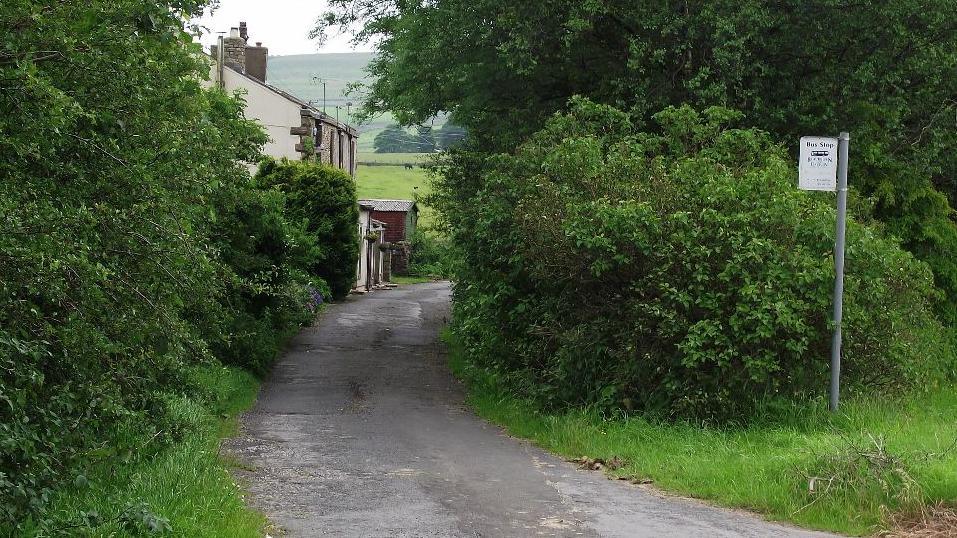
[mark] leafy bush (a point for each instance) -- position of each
(269, 293)
(431, 255)
(680, 272)
(325, 198)
(121, 189)
(887, 72)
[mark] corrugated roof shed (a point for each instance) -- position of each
(389, 205)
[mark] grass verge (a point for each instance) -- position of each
(872, 463)
(183, 490)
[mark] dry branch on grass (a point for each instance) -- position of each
(937, 521)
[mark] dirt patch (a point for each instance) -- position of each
(932, 522)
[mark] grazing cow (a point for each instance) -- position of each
(409, 166)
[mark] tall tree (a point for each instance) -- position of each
(449, 135)
(396, 139)
(885, 70)
(425, 138)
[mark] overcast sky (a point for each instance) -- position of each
(281, 25)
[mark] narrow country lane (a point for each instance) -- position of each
(361, 431)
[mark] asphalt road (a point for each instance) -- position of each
(361, 431)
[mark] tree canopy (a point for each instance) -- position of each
(885, 70)
(134, 249)
(396, 139)
(450, 135)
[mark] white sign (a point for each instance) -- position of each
(817, 169)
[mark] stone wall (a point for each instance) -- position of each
(386, 262)
(401, 252)
(329, 145)
(234, 53)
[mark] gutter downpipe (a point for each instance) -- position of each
(219, 63)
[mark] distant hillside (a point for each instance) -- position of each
(296, 74)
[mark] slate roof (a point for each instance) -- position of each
(315, 112)
(389, 205)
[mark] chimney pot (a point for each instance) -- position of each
(243, 31)
(234, 32)
(259, 43)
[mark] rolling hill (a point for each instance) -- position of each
(297, 75)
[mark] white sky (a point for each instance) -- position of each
(281, 25)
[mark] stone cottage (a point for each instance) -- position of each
(296, 129)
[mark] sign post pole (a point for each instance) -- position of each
(842, 147)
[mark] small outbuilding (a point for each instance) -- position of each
(373, 257)
(400, 217)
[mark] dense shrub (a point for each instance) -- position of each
(268, 291)
(122, 200)
(681, 272)
(432, 255)
(325, 198)
(886, 70)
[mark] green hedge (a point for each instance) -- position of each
(268, 292)
(432, 255)
(132, 244)
(680, 273)
(325, 198)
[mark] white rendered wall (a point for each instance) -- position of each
(362, 271)
(274, 112)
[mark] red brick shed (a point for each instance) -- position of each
(400, 217)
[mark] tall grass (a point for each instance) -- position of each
(182, 490)
(876, 457)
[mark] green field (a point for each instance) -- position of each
(369, 157)
(396, 183)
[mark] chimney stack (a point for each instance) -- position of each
(234, 50)
(242, 57)
(256, 58)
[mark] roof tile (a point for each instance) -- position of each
(389, 205)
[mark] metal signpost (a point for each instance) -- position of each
(823, 167)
